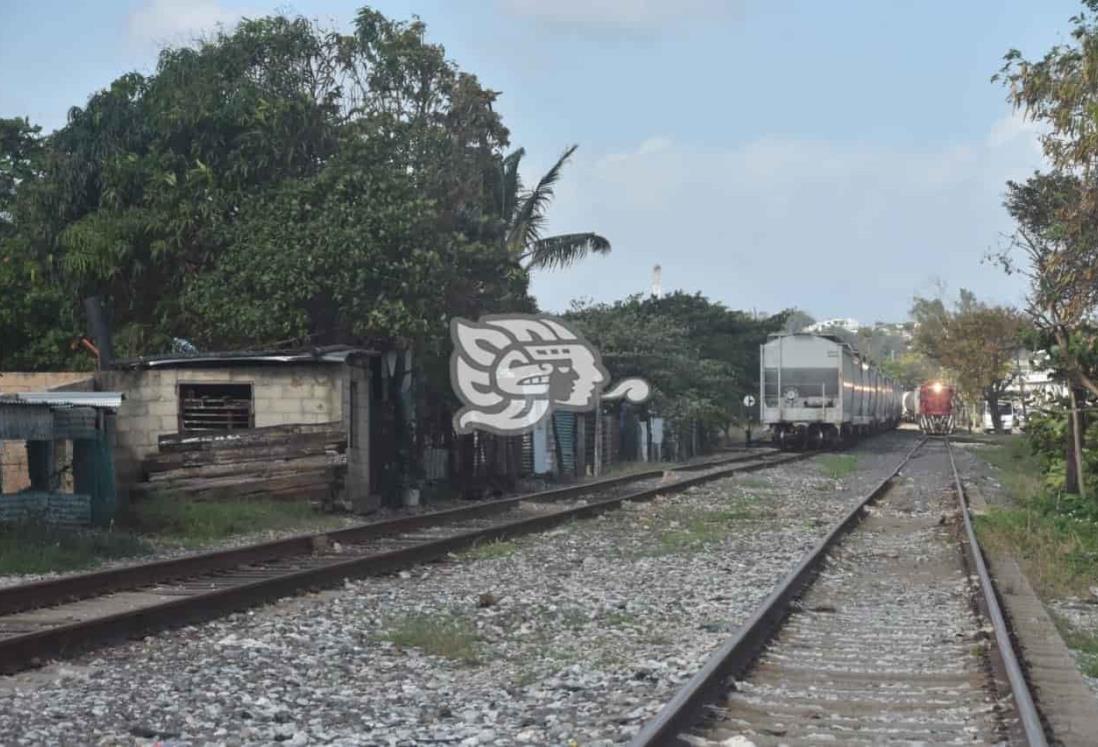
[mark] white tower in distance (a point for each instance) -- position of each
(657, 277)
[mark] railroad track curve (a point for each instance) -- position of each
(58, 617)
(887, 631)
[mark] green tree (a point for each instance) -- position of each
(911, 369)
(524, 214)
(975, 342)
(796, 320)
(1059, 258)
(278, 183)
(699, 356)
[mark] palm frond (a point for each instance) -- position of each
(510, 184)
(526, 227)
(563, 250)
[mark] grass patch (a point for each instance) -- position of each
(837, 465)
(621, 618)
(1059, 553)
(439, 635)
(41, 548)
(1084, 644)
(490, 550)
(692, 530)
(1055, 537)
(203, 522)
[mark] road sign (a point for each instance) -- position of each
(749, 400)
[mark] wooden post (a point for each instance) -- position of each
(1074, 477)
(598, 435)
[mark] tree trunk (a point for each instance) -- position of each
(1074, 481)
(992, 398)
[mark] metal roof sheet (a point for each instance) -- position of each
(106, 400)
(333, 354)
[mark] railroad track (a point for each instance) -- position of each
(887, 631)
(57, 617)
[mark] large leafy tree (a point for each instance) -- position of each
(1057, 253)
(277, 183)
(975, 342)
(699, 356)
(1057, 212)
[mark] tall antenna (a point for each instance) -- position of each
(657, 287)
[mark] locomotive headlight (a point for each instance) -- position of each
(937, 387)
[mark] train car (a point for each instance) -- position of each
(816, 390)
(939, 408)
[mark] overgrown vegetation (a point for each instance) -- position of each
(1084, 643)
(196, 523)
(443, 635)
(691, 530)
(836, 466)
(490, 550)
(41, 548)
(1054, 535)
(700, 357)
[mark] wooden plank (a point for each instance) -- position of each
(242, 486)
(187, 441)
(188, 459)
(265, 467)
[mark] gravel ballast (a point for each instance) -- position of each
(577, 635)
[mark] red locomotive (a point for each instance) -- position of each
(938, 408)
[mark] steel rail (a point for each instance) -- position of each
(26, 649)
(1019, 688)
(736, 655)
(73, 587)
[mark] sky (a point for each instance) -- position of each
(836, 157)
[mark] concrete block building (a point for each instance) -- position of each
(177, 394)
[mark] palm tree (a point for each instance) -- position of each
(524, 213)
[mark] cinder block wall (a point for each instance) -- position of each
(281, 395)
(13, 454)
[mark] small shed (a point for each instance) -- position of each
(69, 459)
(179, 402)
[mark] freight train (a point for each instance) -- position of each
(815, 391)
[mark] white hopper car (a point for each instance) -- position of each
(817, 390)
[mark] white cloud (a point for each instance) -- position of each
(617, 14)
(841, 229)
(177, 21)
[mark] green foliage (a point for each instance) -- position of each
(692, 531)
(490, 550)
(41, 548)
(976, 343)
(275, 184)
(443, 635)
(911, 369)
(699, 357)
(837, 466)
(1047, 438)
(195, 523)
(1083, 643)
(524, 214)
(1054, 535)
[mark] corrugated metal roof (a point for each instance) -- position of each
(107, 400)
(332, 354)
